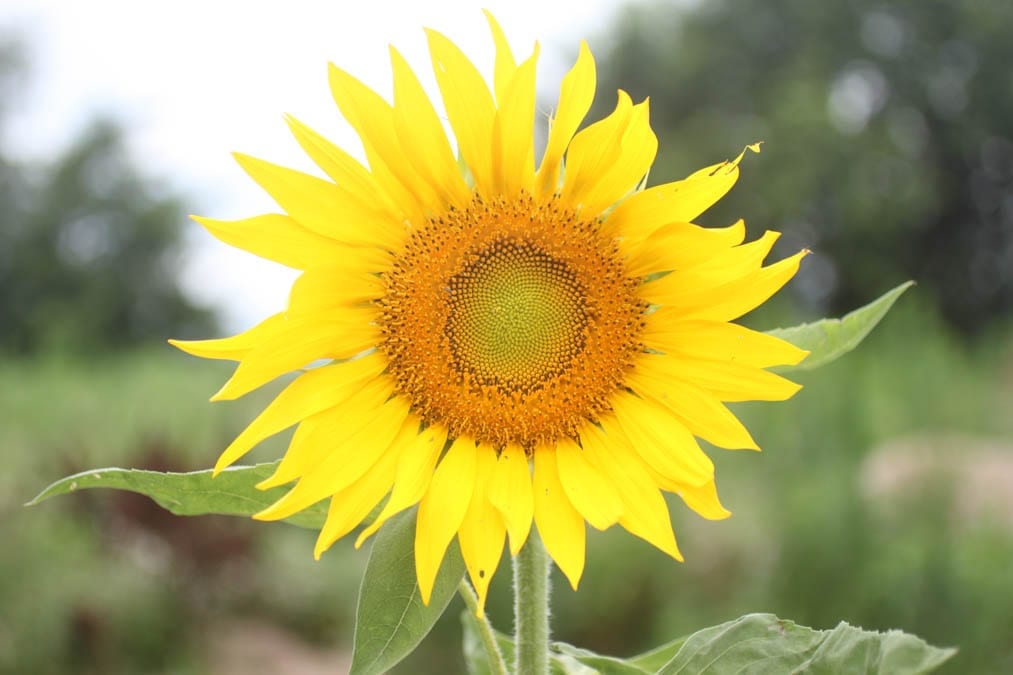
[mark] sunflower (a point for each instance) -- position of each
(502, 344)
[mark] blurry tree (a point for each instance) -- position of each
(889, 130)
(89, 245)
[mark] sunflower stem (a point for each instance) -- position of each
(496, 663)
(531, 607)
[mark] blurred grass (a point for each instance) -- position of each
(103, 583)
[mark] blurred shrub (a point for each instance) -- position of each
(109, 583)
(888, 126)
(89, 246)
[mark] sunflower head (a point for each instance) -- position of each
(519, 342)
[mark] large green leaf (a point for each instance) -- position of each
(391, 620)
(193, 493)
(654, 659)
(763, 643)
(830, 339)
(755, 644)
(605, 665)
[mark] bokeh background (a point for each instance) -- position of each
(884, 496)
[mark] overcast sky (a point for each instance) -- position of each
(195, 80)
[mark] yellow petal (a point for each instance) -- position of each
(442, 510)
(469, 107)
(343, 169)
(704, 500)
(575, 95)
(678, 246)
(513, 161)
(299, 341)
(588, 490)
(283, 240)
(645, 513)
(701, 412)
(722, 302)
(414, 472)
(482, 531)
(373, 119)
(510, 492)
(717, 341)
(678, 202)
(236, 347)
(661, 440)
(308, 394)
(345, 462)
(323, 207)
(350, 506)
(319, 434)
(560, 525)
(422, 138)
(638, 148)
(721, 268)
(394, 196)
(332, 286)
(592, 152)
(506, 66)
(729, 381)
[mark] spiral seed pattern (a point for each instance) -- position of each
(510, 321)
(517, 316)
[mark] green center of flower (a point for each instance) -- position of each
(517, 315)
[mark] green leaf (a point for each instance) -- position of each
(193, 493)
(391, 620)
(654, 659)
(605, 665)
(829, 339)
(763, 643)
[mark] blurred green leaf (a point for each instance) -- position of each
(193, 493)
(763, 643)
(829, 339)
(605, 665)
(391, 620)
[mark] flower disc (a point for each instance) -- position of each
(517, 315)
(510, 321)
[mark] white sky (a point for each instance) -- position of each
(196, 80)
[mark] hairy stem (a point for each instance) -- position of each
(531, 607)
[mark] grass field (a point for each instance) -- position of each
(843, 516)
